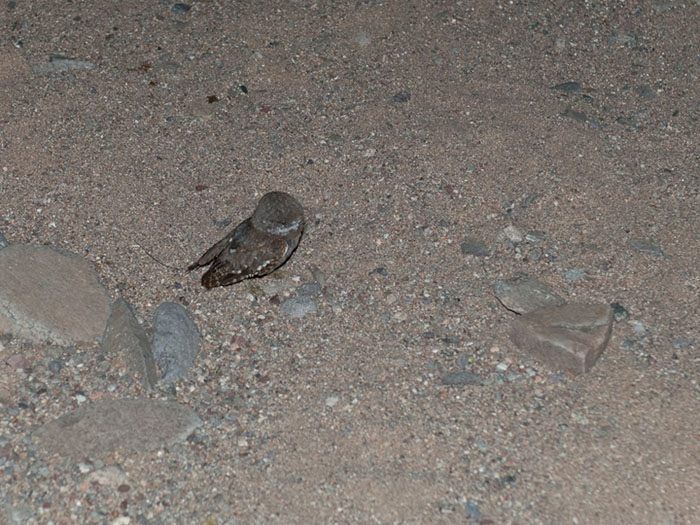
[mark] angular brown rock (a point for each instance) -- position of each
(125, 336)
(569, 337)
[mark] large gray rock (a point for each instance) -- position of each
(569, 337)
(125, 336)
(132, 424)
(47, 294)
(524, 294)
(175, 341)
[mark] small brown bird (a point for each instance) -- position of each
(258, 245)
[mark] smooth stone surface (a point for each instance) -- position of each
(47, 294)
(125, 336)
(175, 341)
(524, 294)
(106, 426)
(569, 337)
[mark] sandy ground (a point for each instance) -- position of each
(403, 128)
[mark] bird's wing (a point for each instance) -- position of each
(256, 255)
(231, 240)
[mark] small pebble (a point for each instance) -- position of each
(473, 509)
(310, 289)
(461, 378)
(476, 247)
(380, 270)
(180, 9)
(332, 401)
(647, 246)
(17, 361)
(555, 378)
(402, 96)
(572, 276)
(567, 87)
(620, 313)
(535, 236)
(513, 234)
(681, 342)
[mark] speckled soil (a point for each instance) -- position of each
(403, 128)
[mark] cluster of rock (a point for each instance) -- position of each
(52, 295)
(567, 337)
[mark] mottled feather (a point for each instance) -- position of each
(258, 245)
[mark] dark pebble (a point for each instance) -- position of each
(535, 236)
(567, 87)
(571, 113)
(401, 96)
(535, 254)
(571, 276)
(555, 378)
(629, 122)
(180, 9)
(243, 88)
(527, 201)
(645, 92)
(620, 313)
(55, 365)
(3, 241)
(646, 246)
(380, 270)
(461, 378)
(472, 246)
(472, 509)
(222, 224)
(310, 289)
(451, 339)
(681, 342)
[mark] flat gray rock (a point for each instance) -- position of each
(126, 337)
(569, 337)
(298, 306)
(474, 246)
(3, 241)
(648, 246)
(175, 341)
(461, 378)
(61, 64)
(106, 426)
(47, 294)
(524, 294)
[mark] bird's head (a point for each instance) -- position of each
(278, 213)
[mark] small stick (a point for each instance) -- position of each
(156, 259)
